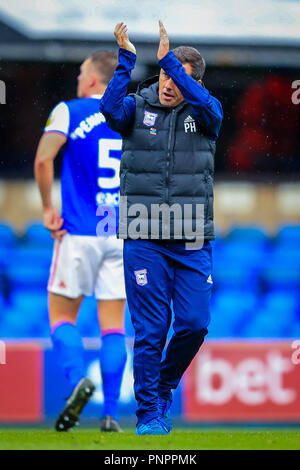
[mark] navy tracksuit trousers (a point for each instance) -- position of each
(157, 273)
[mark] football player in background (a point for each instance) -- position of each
(84, 263)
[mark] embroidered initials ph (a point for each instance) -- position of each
(189, 124)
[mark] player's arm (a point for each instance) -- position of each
(207, 109)
(54, 137)
(118, 109)
(48, 148)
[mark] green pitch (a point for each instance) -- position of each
(200, 439)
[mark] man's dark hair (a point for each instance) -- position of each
(190, 55)
(105, 63)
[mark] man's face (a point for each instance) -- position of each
(84, 79)
(169, 94)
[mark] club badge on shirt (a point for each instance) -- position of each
(141, 277)
(149, 118)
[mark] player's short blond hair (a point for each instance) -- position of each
(105, 63)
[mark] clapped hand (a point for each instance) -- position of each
(122, 38)
(164, 43)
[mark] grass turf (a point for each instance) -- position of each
(192, 439)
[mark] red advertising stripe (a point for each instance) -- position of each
(244, 381)
(55, 262)
(21, 384)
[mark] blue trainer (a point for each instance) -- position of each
(155, 426)
(163, 407)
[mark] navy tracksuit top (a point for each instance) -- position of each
(168, 153)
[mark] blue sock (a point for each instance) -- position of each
(112, 362)
(69, 352)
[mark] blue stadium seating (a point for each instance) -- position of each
(232, 275)
(31, 255)
(281, 272)
(282, 300)
(277, 315)
(5, 253)
(249, 233)
(245, 252)
(289, 234)
(256, 285)
(29, 276)
(239, 258)
(36, 234)
(231, 309)
(27, 314)
(287, 253)
(8, 236)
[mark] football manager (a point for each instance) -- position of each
(169, 129)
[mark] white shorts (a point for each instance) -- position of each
(83, 265)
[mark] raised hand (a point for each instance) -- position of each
(122, 37)
(164, 43)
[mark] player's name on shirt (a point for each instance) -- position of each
(87, 125)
